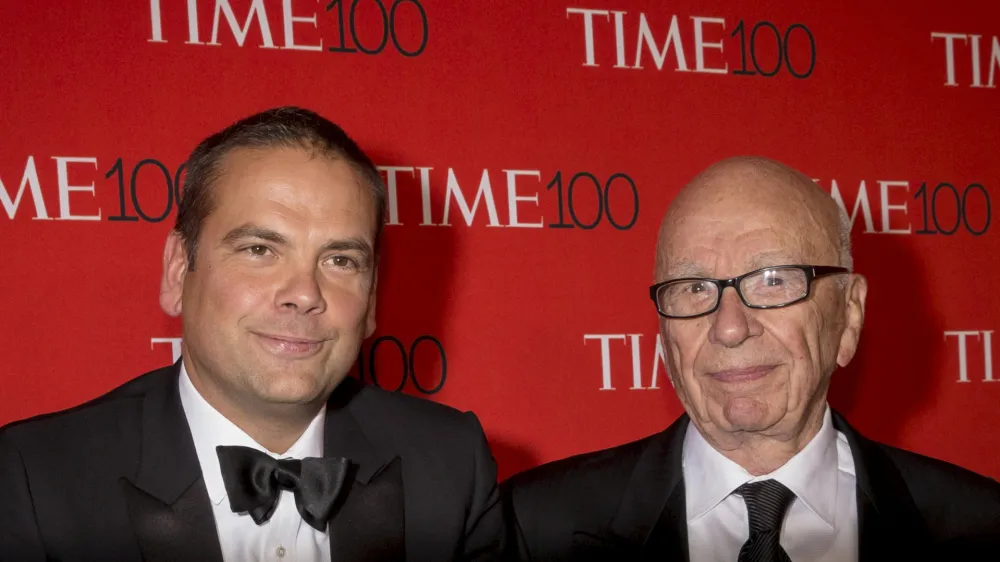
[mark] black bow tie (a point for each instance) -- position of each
(254, 481)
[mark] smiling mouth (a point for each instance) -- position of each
(742, 375)
(290, 346)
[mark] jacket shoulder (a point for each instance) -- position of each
(955, 501)
(548, 505)
(105, 432)
(413, 424)
(596, 478)
(89, 419)
(407, 412)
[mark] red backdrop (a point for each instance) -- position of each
(573, 125)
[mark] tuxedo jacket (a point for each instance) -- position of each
(628, 503)
(118, 479)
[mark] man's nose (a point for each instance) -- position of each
(301, 292)
(732, 323)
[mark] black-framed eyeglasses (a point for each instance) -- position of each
(768, 287)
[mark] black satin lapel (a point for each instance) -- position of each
(168, 504)
(184, 530)
(653, 508)
(889, 524)
(169, 462)
(368, 523)
(669, 540)
(344, 434)
(874, 532)
(666, 542)
(587, 547)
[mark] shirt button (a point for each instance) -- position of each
(280, 551)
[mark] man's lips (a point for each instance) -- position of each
(290, 345)
(744, 374)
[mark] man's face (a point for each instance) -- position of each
(283, 289)
(748, 370)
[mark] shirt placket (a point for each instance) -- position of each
(281, 538)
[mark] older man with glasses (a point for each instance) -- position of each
(759, 468)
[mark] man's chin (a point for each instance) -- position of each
(301, 389)
(297, 392)
(749, 414)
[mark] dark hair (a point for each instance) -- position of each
(290, 127)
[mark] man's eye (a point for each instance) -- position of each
(256, 250)
(343, 261)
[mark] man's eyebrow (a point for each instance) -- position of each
(359, 245)
(684, 268)
(253, 231)
(355, 244)
(688, 268)
(771, 258)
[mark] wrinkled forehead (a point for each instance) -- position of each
(728, 236)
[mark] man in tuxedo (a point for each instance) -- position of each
(758, 306)
(256, 445)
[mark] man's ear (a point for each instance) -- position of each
(857, 292)
(175, 267)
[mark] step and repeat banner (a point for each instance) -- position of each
(530, 148)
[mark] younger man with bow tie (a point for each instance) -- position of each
(256, 445)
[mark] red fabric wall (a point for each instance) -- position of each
(534, 312)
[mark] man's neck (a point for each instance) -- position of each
(764, 452)
(276, 431)
(276, 427)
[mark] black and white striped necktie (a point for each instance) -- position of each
(767, 501)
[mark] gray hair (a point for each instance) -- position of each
(844, 239)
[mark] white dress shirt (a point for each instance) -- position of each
(285, 537)
(821, 524)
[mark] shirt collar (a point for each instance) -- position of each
(209, 429)
(812, 474)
